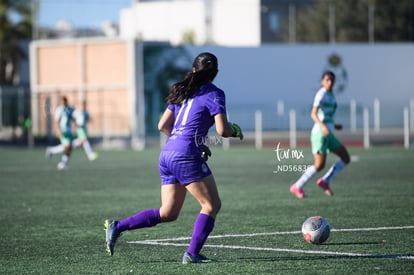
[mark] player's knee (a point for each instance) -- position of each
(169, 216)
(212, 208)
(319, 166)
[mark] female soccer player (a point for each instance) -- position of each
(82, 119)
(64, 120)
(323, 140)
(194, 105)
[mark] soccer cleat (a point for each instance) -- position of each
(325, 186)
(298, 192)
(92, 156)
(112, 235)
(197, 259)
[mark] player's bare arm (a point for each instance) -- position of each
(74, 123)
(222, 125)
(58, 132)
(166, 123)
(315, 118)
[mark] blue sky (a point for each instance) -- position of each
(80, 13)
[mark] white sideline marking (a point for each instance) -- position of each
(374, 228)
(230, 236)
(354, 158)
(166, 242)
(286, 233)
(349, 254)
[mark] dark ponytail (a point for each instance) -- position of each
(205, 69)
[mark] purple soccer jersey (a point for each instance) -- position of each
(180, 160)
(193, 119)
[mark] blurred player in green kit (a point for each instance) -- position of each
(63, 120)
(65, 115)
(82, 118)
(323, 140)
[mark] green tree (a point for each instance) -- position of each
(393, 21)
(15, 26)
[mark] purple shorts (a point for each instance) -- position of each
(176, 167)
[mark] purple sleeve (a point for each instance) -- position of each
(171, 107)
(216, 103)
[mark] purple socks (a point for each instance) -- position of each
(145, 218)
(203, 225)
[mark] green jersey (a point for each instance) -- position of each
(81, 117)
(326, 103)
(65, 116)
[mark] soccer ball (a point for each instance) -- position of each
(316, 230)
(61, 166)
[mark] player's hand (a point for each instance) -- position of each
(236, 130)
(205, 152)
(338, 126)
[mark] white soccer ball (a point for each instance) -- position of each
(316, 230)
(61, 166)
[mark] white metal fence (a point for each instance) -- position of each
(364, 126)
(379, 120)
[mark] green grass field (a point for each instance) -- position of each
(51, 222)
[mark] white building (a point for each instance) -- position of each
(219, 22)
